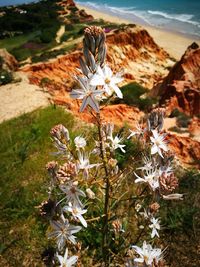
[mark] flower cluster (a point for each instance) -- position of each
(157, 173)
(66, 207)
(97, 81)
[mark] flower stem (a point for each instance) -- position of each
(105, 252)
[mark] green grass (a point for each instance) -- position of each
(132, 95)
(182, 119)
(25, 149)
(52, 54)
(14, 42)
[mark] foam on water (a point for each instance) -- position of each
(180, 22)
(180, 17)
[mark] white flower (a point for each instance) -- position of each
(88, 94)
(63, 231)
(158, 143)
(149, 164)
(65, 261)
(77, 212)
(138, 131)
(115, 143)
(73, 193)
(167, 170)
(151, 177)
(80, 142)
(146, 214)
(154, 226)
(104, 77)
(84, 164)
(148, 254)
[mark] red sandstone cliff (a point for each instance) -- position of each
(181, 87)
(131, 48)
(69, 13)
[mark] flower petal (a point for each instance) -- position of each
(96, 79)
(116, 89)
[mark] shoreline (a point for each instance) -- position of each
(173, 43)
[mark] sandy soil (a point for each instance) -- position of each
(21, 97)
(173, 43)
(59, 34)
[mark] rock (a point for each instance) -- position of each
(181, 87)
(131, 48)
(70, 8)
(9, 62)
(194, 128)
(185, 149)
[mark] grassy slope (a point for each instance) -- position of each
(11, 43)
(25, 149)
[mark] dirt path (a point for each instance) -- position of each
(59, 34)
(21, 97)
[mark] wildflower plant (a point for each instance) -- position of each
(90, 178)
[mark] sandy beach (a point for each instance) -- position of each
(175, 44)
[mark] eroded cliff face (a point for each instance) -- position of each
(181, 87)
(69, 13)
(131, 49)
(186, 150)
(9, 62)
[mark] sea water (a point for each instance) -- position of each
(181, 16)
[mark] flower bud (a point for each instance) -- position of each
(90, 193)
(156, 119)
(173, 197)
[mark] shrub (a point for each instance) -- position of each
(5, 77)
(21, 53)
(69, 27)
(47, 36)
(132, 96)
(182, 119)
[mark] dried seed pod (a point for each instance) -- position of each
(154, 207)
(66, 172)
(48, 209)
(168, 182)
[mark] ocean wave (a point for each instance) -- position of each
(105, 6)
(120, 11)
(180, 17)
(159, 19)
(88, 4)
